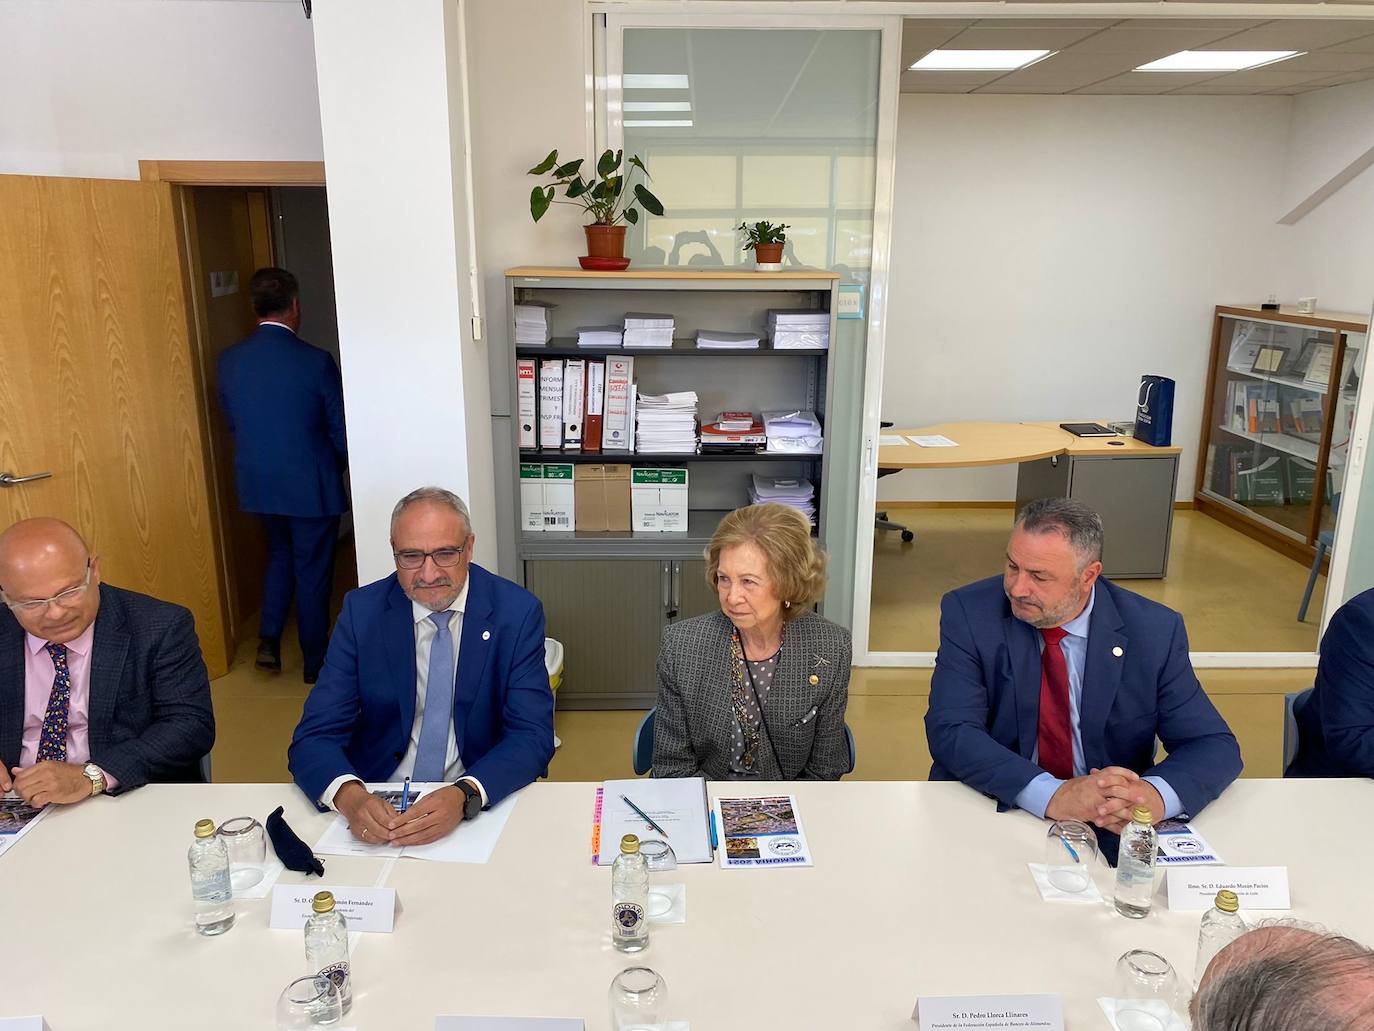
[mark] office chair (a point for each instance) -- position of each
(1291, 704)
(1325, 539)
(880, 519)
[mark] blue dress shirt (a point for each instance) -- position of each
(1035, 796)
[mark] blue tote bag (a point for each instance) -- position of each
(1154, 411)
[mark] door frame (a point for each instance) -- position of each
(233, 173)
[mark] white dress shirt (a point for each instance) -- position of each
(425, 632)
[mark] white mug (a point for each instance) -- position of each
(1307, 305)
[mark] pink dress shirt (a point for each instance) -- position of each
(38, 678)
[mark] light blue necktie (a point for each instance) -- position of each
(431, 756)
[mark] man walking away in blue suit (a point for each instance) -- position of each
(284, 403)
(1052, 684)
(1336, 721)
(435, 673)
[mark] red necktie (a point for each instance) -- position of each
(1056, 735)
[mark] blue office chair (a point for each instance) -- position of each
(205, 768)
(1291, 704)
(643, 752)
(1324, 541)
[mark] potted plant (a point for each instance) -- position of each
(765, 239)
(603, 195)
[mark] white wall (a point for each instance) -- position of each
(92, 86)
(1051, 250)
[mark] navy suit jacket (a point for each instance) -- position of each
(283, 400)
(983, 721)
(150, 718)
(1336, 722)
(359, 715)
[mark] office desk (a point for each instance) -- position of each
(1129, 483)
(918, 889)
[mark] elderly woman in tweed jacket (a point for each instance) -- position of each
(758, 689)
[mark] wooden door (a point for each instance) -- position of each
(98, 386)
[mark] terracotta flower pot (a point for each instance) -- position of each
(768, 253)
(605, 241)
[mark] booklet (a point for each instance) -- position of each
(762, 832)
(17, 817)
(676, 804)
(1180, 845)
(468, 843)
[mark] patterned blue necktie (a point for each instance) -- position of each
(432, 754)
(52, 743)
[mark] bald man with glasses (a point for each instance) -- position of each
(435, 673)
(101, 689)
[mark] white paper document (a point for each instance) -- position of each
(892, 440)
(676, 804)
(990, 1013)
(1180, 845)
(932, 440)
(509, 1024)
(761, 832)
(471, 842)
(17, 818)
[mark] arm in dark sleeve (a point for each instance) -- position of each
(673, 755)
(829, 759)
(526, 746)
(334, 409)
(316, 756)
(957, 720)
(1204, 757)
(1345, 681)
(182, 725)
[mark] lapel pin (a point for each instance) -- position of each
(486, 636)
(1117, 651)
(820, 661)
(815, 679)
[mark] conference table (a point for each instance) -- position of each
(917, 889)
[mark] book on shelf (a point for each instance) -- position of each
(596, 403)
(617, 433)
(1318, 371)
(527, 401)
(574, 402)
(734, 422)
(1262, 482)
(551, 403)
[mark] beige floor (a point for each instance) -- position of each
(1235, 594)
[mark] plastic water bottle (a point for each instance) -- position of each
(1221, 925)
(210, 887)
(630, 897)
(1135, 865)
(326, 945)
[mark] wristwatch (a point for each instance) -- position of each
(472, 805)
(97, 778)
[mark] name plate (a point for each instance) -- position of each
(509, 1024)
(1257, 887)
(990, 1013)
(23, 1024)
(364, 909)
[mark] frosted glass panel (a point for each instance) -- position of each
(775, 124)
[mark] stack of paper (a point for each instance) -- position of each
(666, 423)
(798, 328)
(645, 329)
(598, 336)
(532, 324)
(796, 492)
(720, 340)
(677, 804)
(797, 433)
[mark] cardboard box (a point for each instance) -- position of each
(658, 500)
(602, 495)
(559, 502)
(531, 496)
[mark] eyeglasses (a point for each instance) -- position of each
(67, 597)
(444, 558)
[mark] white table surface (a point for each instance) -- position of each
(917, 889)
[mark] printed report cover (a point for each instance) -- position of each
(762, 832)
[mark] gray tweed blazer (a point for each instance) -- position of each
(803, 710)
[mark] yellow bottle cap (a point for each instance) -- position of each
(323, 902)
(629, 845)
(205, 828)
(1227, 901)
(1142, 815)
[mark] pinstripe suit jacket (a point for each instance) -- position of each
(150, 715)
(803, 710)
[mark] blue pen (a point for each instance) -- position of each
(714, 841)
(1072, 852)
(405, 795)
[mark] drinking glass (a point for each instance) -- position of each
(639, 1000)
(1147, 992)
(309, 1002)
(1070, 855)
(247, 850)
(661, 858)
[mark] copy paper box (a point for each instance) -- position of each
(658, 500)
(602, 496)
(558, 497)
(531, 496)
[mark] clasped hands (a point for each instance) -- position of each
(47, 782)
(374, 820)
(1105, 798)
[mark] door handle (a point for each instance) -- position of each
(665, 580)
(10, 480)
(677, 590)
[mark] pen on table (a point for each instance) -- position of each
(644, 816)
(1072, 852)
(714, 840)
(405, 795)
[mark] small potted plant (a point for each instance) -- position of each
(765, 239)
(605, 196)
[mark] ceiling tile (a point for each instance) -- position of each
(1009, 88)
(1341, 80)
(920, 37)
(1071, 69)
(1144, 82)
(1363, 45)
(945, 82)
(1268, 78)
(1138, 38)
(989, 35)
(1308, 34)
(1327, 61)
